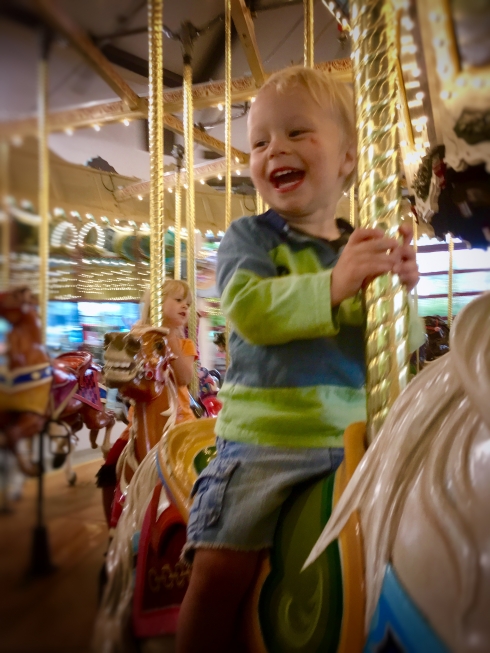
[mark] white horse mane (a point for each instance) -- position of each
(431, 425)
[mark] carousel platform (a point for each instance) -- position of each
(53, 613)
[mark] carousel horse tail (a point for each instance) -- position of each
(112, 633)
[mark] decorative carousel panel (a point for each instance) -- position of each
(457, 36)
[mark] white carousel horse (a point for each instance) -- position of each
(422, 493)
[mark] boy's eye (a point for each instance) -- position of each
(260, 144)
(296, 132)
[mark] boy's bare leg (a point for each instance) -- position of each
(219, 581)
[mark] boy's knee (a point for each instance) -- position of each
(225, 567)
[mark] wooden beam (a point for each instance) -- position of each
(246, 33)
(205, 95)
(203, 138)
(201, 171)
(79, 39)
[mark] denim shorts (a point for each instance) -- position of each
(238, 497)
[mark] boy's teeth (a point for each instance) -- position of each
(287, 183)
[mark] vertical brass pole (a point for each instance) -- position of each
(450, 282)
(155, 123)
(379, 195)
(309, 34)
(352, 207)
(260, 203)
(178, 224)
(190, 205)
(4, 189)
(227, 141)
(415, 291)
(43, 91)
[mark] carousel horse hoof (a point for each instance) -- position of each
(72, 479)
(58, 460)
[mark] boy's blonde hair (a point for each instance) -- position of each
(326, 92)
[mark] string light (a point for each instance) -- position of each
(202, 182)
(220, 107)
(238, 172)
(69, 131)
(97, 128)
(140, 197)
(126, 122)
(220, 177)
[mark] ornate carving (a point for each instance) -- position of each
(473, 126)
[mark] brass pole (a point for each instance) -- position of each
(190, 206)
(260, 203)
(155, 123)
(415, 291)
(450, 282)
(43, 91)
(379, 195)
(227, 141)
(309, 34)
(352, 207)
(178, 224)
(4, 189)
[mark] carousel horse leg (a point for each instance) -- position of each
(71, 476)
(4, 482)
(106, 444)
(41, 564)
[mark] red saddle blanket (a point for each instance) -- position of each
(74, 375)
(161, 578)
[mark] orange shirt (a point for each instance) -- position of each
(184, 411)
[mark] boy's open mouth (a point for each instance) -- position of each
(286, 179)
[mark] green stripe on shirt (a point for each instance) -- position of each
(289, 417)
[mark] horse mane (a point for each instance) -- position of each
(425, 437)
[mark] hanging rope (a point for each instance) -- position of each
(155, 124)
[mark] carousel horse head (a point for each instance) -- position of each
(421, 492)
(15, 303)
(137, 362)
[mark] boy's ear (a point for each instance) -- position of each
(350, 160)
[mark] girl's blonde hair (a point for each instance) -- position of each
(169, 287)
(174, 286)
(326, 92)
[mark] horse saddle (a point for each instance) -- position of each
(72, 362)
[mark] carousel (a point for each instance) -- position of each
(390, 552)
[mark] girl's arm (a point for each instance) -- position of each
(182, 365)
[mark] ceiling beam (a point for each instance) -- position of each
(205, 95)
(203, 138)
(201, 171)
(80, 40)
(138, 65)
(246, 33)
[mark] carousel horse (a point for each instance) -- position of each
(209, 385)
(402, 563)
(138, 365)
(60, 395)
